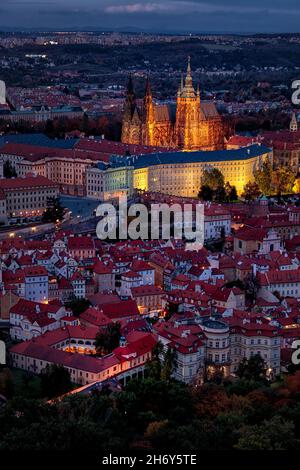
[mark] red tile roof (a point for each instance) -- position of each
(95, 317)
(146, 290)
(122, 309)
(74, 361)
(279, 277)
(140, 265)
(130, 275)
(26, 183)
(139, 343)
(50, 338)
(183, 338)
(251, 328)
(251, 234)
(103, 298)
(102, 268)
(28, 307)
(33, 271)
(81, 243)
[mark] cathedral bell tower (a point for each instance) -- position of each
(130, 101)
(294, 123)
(148, 116)
(131, 117)
(187, 113)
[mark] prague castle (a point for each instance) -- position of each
(196, 125)
(179, 173)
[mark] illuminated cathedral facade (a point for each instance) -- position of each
(195, 125)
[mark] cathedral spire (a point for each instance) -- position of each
(130, 102)
(188, 89)
(189, 80)
(148, 111)
(181, 86)
(189, 65)
(294, 123)
(130, 85)
(148, 92)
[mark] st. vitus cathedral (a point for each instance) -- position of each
(196, 124)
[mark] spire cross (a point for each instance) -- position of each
(189, 65)
(189, 80)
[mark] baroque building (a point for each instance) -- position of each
(195, 125)
(179, 173)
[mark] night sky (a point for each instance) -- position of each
(154, 16)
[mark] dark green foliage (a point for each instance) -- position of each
(167, 415)
(251, 191)
(6, 383)
(205, 193)
(252, 369)
(108, 340)
(55, 380)
(213, 187)
(54, 212)
(78, 306)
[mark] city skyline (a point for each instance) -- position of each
(153, 16)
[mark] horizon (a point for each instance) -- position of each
(134, 30)
(167, 16)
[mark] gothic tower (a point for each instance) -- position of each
(148, 116)
(293, 123)
(187, 114)
(131, 125)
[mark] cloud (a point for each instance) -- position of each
(31, 2)
(181, 7)
(139, 8)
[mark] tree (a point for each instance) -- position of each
(168, 365)
(6, 383)
(251, 286)
(230, 192)
(212, 186)
(252, 369)
(296, 187)
(55, 381)
(162, 363)
(220, 194)
(54, 212)
(213, 178)
(8, 170)
(78, 306)
(292, 382)
(251, 191)
(263, 177)
(273, 434)
(205, 193)
(153, 366)
(106, 341)
(283, 180)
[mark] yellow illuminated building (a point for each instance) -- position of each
(179, 173)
